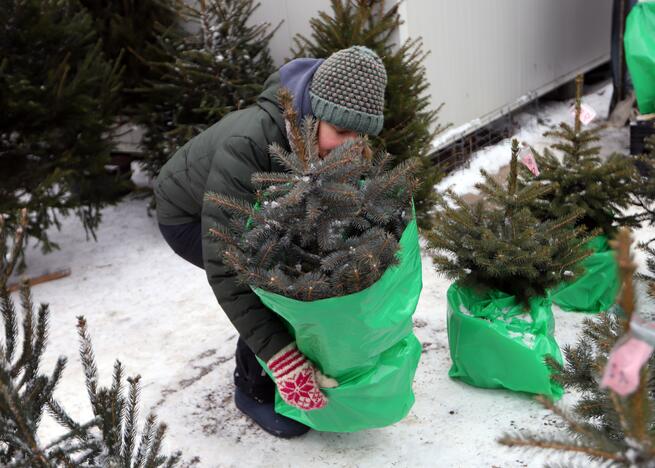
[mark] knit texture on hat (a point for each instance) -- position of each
(347, 90)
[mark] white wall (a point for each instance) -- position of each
(490, 56)
(296, 15)
(487, 56)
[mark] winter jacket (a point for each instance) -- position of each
(222, 159)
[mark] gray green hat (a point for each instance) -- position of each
(347, 90)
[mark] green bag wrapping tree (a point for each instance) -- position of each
(601, 189)
(504, 260)
(639, 42)
(498, 322)
(332, 247)
(595, 290)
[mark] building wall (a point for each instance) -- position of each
(295, 15)
(490, 56)
(487, 56)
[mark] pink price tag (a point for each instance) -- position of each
(587, 113)
(527, 158)
(623, 366)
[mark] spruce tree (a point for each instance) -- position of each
(499, 244)
(218, 69)
(644, 186)
(116, 416)
(130, 31)
(24, 393)
(582, 180)
(57, 94)
(644, 197)
(410, 124)
(327, 227)
(109, 439)
(602, 425)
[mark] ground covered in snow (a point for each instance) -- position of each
(157, 314)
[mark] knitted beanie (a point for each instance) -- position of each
(347, 90)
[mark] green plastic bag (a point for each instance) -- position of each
(595, 291)
(495, 343)
(639, 42)
(365, 341)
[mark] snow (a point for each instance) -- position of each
(528, 338)
(453, 133)
(157, 314)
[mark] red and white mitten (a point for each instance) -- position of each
(298, 380)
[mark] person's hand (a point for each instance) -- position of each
(297, 380)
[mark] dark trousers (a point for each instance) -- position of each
(249, 376)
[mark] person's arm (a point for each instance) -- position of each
(262, 330)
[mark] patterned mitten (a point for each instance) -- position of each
(298, 380)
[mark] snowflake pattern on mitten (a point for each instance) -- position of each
(295, 378)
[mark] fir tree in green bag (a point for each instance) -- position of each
(363, 340)
(596, 289)
(504, 260)
(602, 189)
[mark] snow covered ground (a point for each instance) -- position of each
(157, 314)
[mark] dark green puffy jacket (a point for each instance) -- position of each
(221, 159)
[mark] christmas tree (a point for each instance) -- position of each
(109, 439)
(604, 426)
(499, 244)
(57, 94)
(644, 187)
(582, 179)
(410, 124)
(130, 31)
(644, 196)
(220, 68)
(327, 227)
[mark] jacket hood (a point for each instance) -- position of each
(296, 76)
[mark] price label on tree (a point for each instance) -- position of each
(587, 114)
(528, 160)
(624, 365)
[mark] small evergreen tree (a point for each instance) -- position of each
(328, 227)
(644, 186)
(220, 68)
(25, 393)
(603, 425)
(409, 123)
(117, 416)
(499, 244)
(644, 198)
(57, 94)
(130, 31)
(582, 180)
